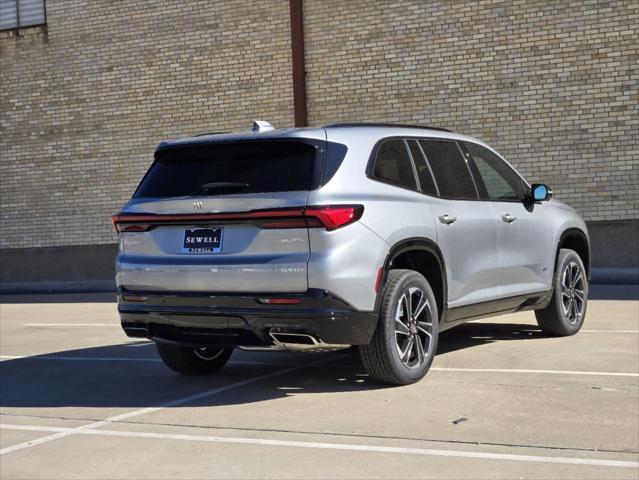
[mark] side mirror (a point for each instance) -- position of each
(540, 192)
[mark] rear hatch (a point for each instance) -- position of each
(221, 217)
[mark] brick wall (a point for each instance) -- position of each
(551, 84)
(82, 107)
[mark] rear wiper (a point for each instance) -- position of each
(217, 186)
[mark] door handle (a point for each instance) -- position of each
(447, 219)
(508, 218)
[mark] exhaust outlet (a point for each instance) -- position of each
(294, 338)
(296, 342)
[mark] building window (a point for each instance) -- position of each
(16, 14)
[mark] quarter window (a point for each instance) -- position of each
(393, 164)
(449, 168)
(499, 179)
(21, 13)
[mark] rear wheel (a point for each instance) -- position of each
(405, 341)
(193, 361)
(566, 311)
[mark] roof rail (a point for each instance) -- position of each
(373, 124)
(209, 133)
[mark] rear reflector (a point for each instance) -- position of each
(134, 298)
(280, 301)
(378, 281)
(329, 217)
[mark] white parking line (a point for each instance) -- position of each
(553, 372)
(170, 403)
(328, 446)
(241, 362)
(72, 325)
(608, 331)
(125, 359)
(78, 359)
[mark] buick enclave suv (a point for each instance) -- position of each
(380, 236)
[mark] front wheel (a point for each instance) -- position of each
(566, 311)
(193, 361)
(405, 341)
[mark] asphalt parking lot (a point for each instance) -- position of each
(80, 400)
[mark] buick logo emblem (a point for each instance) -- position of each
(198, 206)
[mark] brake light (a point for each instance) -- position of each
(333, 217)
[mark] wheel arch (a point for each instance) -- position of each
(577, 240)
(424, 256)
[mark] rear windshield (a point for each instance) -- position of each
(229, 168)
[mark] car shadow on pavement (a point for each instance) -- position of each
(123, 376)
(132, 375)
(476, 333)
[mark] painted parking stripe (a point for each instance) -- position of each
(608, 331)
(125, 359)
(552, 372)
(171, 403)
(331, 446)
(78, 359)
(241, 362)
(72, 325)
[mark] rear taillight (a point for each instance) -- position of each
(330, 217)
(333, 217)
(129, 225)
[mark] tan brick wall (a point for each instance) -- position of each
(82, 107)
(552, 85)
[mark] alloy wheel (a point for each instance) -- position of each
(573, 296)
(413, 327)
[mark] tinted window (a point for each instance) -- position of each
(229, 168)
(449, 168)
(393, 164)
(500, 181)
(423, 170)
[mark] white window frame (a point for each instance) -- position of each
(18, 26)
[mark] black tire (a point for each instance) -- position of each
(381, 357)
(193, 361)
(557, 319)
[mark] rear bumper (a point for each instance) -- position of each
(241, 319)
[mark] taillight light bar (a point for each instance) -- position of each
(330, 217)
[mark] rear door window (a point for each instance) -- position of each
(230, 168)
(449, 167)
(393, 165)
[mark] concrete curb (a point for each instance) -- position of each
(58, 286)
(615, 276)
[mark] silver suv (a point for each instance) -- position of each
(375, 235)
